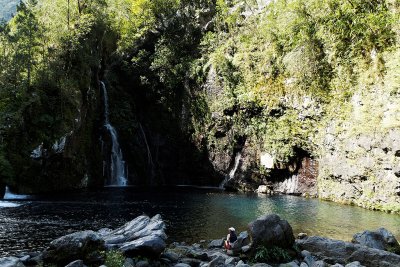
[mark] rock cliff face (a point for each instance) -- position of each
(236, 146)
(339, 143)
(360, 155)
(73, 161)
(357, 153)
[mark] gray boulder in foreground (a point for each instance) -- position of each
(379, 239)
(142, 236)
(217, 243)
(84, 245)
(271, 230)
(11, 262)
(343, 252)
(243, 240)
(77, 263)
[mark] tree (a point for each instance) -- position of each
(25, 34)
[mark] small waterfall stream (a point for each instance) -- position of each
(117, 175)
(233, 170)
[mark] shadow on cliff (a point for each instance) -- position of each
(156, 137)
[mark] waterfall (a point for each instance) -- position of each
(233, 170)
(117, 166)
(11, 196)
(149, 156)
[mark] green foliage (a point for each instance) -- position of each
(49, 52)
(291, 51)
(134, 19)
(273, 254)
(6, 170)
(114, 258)
(262, 65)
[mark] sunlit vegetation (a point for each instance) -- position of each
(282, 71)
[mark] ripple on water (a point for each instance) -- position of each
(191, 215)
(7, 204)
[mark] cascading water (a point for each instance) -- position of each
(117, 175)
(233, 170)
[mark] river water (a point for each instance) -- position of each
(30, 223)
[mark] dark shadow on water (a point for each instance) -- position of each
(191, 214)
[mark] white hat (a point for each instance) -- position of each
(231, 229)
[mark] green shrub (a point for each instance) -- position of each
(114, 258)
(272, 254)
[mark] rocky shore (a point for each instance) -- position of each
(268, 241)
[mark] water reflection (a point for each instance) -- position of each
(7, 204)
(191, 215)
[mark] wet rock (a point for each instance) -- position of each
(182, 265)
(217, 261)
(319, 264)
(34, 259)
(379, 239)
(328, 248)
(141, 236)
(218, 243)
(242, 240)
(85, 245)
(240, 263)
(200, 255)
(261, 265)
(342, 252)
(25, 258)
(270, 231)
(218, 254)
(246, 249)
(354, 264)
(104, 231)
(129, 262)
(148, 246)
(11, 262)
(308, 258)
(289, 264)
(230, 261)
(77, 263)
(172, 256)
(191, 262)
(303, 264)
(142, 263)
(375, 257)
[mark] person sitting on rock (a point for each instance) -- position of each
(230, 238)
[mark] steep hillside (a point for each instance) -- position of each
(298, 97)
(302, 98)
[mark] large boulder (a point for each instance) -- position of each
(379, 239)
(271, 230)
(342, 252)
(85, 245)
(77, 263)
(142, 236)
(11, 262)
(243, 239)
